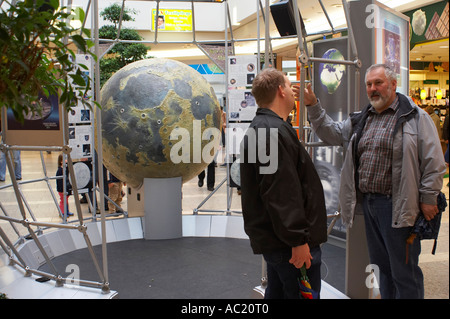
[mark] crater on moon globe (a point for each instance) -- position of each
(142, 104)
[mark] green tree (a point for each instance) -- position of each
(122, 53)
(36, 56)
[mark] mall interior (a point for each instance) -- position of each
(169, 238)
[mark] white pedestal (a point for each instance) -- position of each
(163, 209)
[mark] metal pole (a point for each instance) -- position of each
(326, 15)
(258, 34)
(231, 28)
(351, 35)
(193, 23)
(100, 153)
(267, 36)
(156, 21)
(41, 248)
(119, 27)
(299, 30)
(227, 104)
(11, 246)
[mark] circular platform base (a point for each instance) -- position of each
(186, 268)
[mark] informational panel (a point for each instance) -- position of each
(46, 129)
(331, 88)
(331, 79)
(81, 119)
(80, 140)
(242, 106)
(391, 40)
(42, 129)
(381, 36)
(172, 19)
(242, 71)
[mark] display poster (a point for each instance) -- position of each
(80, 113)
(81, 118)
(80, 140)
(392, 43)
(48, 119)
(331, 79)
(172, 20)
(331, 88)
(42, 129)
(242, 105)
(242, 71)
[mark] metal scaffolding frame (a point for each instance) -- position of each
(10, 248)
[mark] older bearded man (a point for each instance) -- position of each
(393, 169)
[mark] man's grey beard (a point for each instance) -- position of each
(381, 102)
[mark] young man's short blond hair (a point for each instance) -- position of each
(265, 86)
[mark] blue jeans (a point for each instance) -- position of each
(17, 165)
(282, 277)
(387, 250)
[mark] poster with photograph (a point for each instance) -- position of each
(330, 79)
(172, 20)
(83, 176)
(331, 85)
(87, 61)
(242, 71)
(38, 129)
(46, 119)
(81, 114)
(81, 118)
(80, 140)
(242, 105)
(392, 43)
(391, 39)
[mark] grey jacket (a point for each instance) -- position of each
(418, 165)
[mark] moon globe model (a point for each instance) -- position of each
(142, 105)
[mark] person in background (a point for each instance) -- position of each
(436, 120)
(115, 193)
(60, 187)
(393, 169)
(210, 178)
